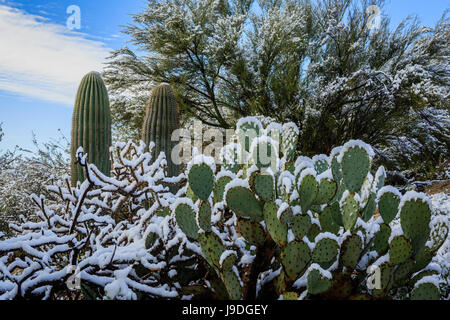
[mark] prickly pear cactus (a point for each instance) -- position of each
(309, 231)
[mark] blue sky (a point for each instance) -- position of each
(42, 60)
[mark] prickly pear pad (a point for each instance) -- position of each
(278, 231)
(318, 281)
(325, 252)
(307, 188)
(295, 257)
(201, 180)
(204, 216)
(300, 225)
(220, 188)
(185, 216)
(264, 186)
(350, 251)
(355, 161)
(243, 203)
(350, 210)
(400, 250)
(252, 232)
(425, 291)
(415, 215)
(388, 202)
(328, 218)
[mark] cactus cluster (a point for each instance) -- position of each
(91, 126)
(321, 227)
(292, 228)
(312, 223)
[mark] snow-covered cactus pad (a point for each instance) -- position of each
(306, 232)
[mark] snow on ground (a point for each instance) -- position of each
(441, 206)
(441, 211)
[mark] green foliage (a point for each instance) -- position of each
(381, 239)
(326, 192)
(350, 210)
(204, 216)
(320, 165)
(426, 291)
(300, 225)
(415, 216)
(316, 238)
(219, 188)
(400, 249)
(232, 283)
(371, 206)
(328, 218)
(253, 232)
(325, 252)
(351, 250)
(212, 248)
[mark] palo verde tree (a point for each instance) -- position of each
(317, 64)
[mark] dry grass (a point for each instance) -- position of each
(438, 188)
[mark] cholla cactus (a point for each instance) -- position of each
(306, 232)
(101, 229)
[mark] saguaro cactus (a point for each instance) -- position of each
(161, 119)
(91, 125)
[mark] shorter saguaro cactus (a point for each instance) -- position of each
(161, 120)
(91, 126)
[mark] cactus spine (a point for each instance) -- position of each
(161, 119)
(91, 126)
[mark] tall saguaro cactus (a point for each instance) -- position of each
(161, 119)
(91, 126)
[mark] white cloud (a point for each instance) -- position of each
(43, 60)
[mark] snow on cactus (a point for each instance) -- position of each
(245, 234)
